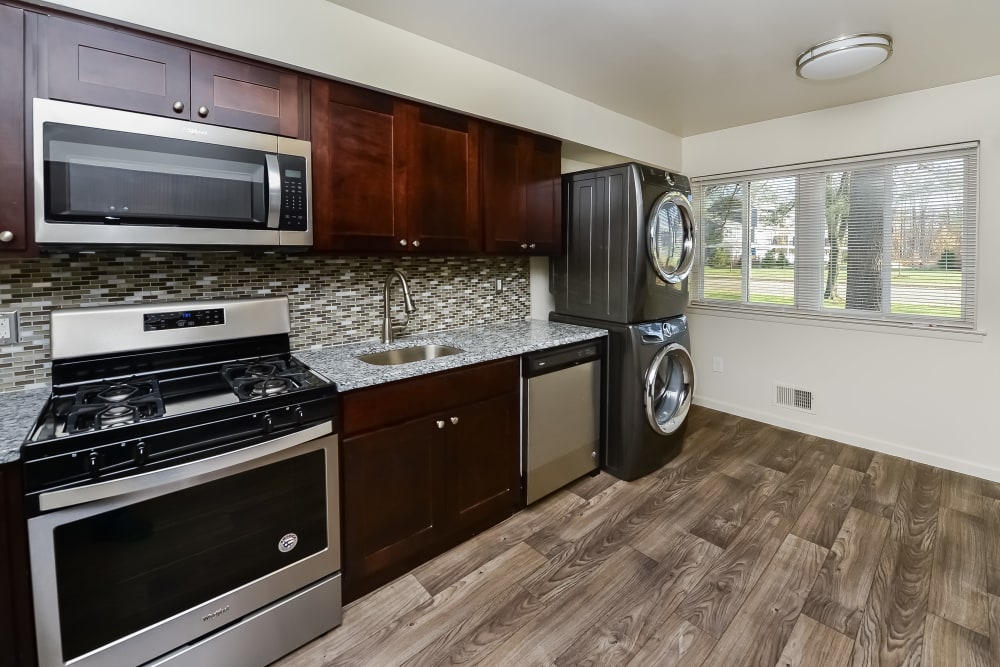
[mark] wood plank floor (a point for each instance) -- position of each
(756, 546)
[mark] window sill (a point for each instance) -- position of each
(829, 322)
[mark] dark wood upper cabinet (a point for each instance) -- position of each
(441, 150)
(13, 181)
(358, 203)
(113, 68)
(522, 204)
(249, 96)
(391, 175)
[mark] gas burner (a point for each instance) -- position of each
(99, 406)
(116, 415)
(261, 370)
(264, 377)
(270, 387)
(118, 392)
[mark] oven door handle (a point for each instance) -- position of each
(184, 475)
(273, 191)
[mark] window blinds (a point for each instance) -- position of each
(889, 237)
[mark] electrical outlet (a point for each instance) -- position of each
(499, 285)
(8, 327)
(717, 364)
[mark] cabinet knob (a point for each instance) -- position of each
(179, 106)
(6, 236)
(524, 246)
(454, 420)
(416, 244)
(402, 241)
(531, 245)
(203, 111)
(440, 423)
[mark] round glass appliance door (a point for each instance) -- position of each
(671, 237)
(669, 388)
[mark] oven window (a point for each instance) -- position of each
(126, 569)
(108, 177)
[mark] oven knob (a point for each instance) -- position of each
(93, 464)
(300, 416)
(267, 422)
(141, 455)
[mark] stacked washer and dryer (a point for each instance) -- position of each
(629, 250)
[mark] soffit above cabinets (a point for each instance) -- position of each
(693, 67)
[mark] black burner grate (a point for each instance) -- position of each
(100, 406)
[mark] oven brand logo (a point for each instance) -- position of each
(288, 542)
(196, 132)
(215, 614)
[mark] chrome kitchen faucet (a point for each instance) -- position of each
(408, 307)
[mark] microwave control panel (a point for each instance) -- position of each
(294, 202)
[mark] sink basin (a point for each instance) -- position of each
(407, 355)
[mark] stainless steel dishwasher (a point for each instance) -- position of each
(562, 416)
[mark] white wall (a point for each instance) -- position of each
(322, 37)
(930, 399)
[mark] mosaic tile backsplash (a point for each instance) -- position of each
(332, 300)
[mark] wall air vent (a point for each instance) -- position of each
(794, 398)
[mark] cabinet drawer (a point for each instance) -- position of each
(384, 405)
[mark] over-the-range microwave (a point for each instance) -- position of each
(105, 177)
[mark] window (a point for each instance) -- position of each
(889, 238)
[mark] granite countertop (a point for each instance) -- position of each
(18, 412)
(480, 343)
(20, 409)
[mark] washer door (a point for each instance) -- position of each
(671, 237)
(669, 388)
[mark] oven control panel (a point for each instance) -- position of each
(183, 319)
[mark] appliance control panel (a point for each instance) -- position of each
(294, 204)
(183, 319)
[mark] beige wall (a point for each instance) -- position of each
(929, 399)
(319, 36)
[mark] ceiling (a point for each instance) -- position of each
(694, 66)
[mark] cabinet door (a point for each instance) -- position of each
(357, 195)
(110, 68)
(390, 494)
(13, 224)
(247, 96)
(503, 191)
(17, 632)
(441, 188)
(522, 197)
(481, 464)
(543, 194)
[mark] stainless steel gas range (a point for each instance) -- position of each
(182, 489)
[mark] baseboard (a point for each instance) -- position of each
(858, 440)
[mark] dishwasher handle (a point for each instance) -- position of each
(550, 361)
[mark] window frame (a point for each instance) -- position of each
(805, 308)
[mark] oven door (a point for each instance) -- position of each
(110, 177)
(183, 551)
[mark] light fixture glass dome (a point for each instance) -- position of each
(844, 56)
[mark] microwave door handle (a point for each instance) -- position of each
(273, 191)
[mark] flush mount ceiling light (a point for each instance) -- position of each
(844, 56)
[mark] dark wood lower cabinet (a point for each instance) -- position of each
(413, 489)
(17, 631)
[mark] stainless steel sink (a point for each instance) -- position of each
(407, 355)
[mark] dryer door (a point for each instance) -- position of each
(671, 237)
(669, 388)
